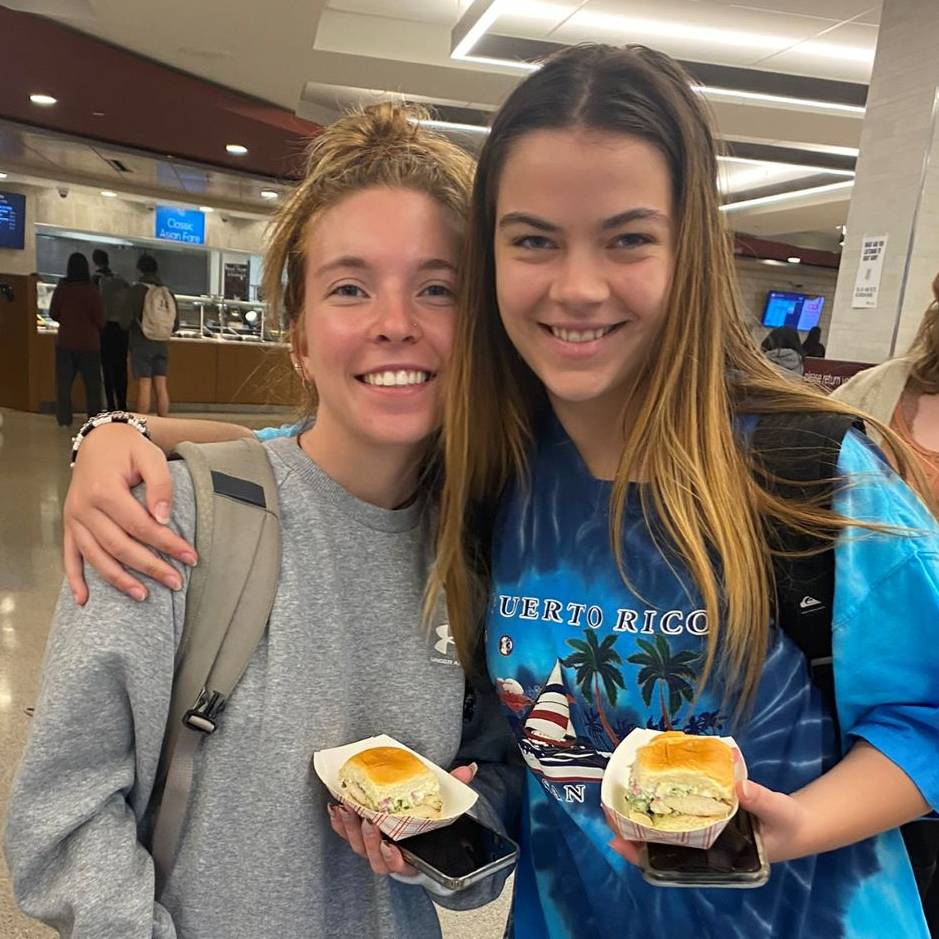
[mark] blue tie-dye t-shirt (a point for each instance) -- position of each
(628, 656)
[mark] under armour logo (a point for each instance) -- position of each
(446, 639)
(808, 603)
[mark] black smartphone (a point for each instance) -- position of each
(736, 859)
(460, 854)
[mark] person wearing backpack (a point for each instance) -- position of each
(152, 316)
(234, 835)
(114, 337)
(631, 500)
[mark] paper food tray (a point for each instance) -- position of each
(613, 796)
(457, 797)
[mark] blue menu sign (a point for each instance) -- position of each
(12, 220)
(184, 225)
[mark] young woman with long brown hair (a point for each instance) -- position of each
(604, 520)
(602, 394)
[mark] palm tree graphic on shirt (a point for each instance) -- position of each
(596, 663)
(673, 675)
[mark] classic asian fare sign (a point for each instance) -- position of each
(186, 226)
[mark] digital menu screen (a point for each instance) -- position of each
(12, 220)
(792, 309)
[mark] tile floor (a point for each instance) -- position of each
(33, 480)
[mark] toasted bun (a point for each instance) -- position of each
(387, 766)
(393, 781)
(682, 755)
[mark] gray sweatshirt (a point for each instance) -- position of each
(345, 657)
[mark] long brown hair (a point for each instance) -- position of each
(704, 369)
(383, 144)
(925, 349)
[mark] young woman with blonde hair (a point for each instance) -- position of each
(369, 241)
(607, 532)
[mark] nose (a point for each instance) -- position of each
(580, 280)
(397, 320)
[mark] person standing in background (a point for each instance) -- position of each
(783, 349)
(148, 357)
(114, 335)
(813, 344)
(904, 393)
(76, 306)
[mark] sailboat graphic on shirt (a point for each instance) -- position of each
(549, 742)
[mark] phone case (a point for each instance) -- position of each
(458, 883)
(736, 880)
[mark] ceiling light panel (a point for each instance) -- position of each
(699, 30)
(847, 54)
(422, 11)
(532, 19)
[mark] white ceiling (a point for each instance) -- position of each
(33, 156)
(316, 55)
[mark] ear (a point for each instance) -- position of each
(299, 348)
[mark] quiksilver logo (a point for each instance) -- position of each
(809, 603)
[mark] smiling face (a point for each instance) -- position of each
(584, 254)
(378, 317)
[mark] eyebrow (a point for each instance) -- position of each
(615, 221)
(356, 263)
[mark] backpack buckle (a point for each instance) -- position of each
(203, 715)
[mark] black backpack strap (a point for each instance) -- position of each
(802, 449)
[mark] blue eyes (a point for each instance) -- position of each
(532, 241)
(437, 290)
(543, 243)
(347, 290)
(355, 292)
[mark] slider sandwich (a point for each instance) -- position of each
(680, 782)
(392, 781)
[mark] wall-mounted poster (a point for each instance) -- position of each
(867, 284)
(236, 281)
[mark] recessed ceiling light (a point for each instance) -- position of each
(236, 149)
(3, 175)
(97, 113)
(44, 101)
(206, 208)
(268, 194)
(108, 194)
(794, 260)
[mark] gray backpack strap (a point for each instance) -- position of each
(228, 603)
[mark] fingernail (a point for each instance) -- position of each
(188, 558)
(162, 512)
(139, 594)
(745, 789)
(385, 849)
(474, 767)
(174, 583)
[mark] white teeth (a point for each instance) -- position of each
(580, 335)
(400, 379)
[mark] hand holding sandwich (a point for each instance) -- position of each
(863, 795)
(366, 840)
